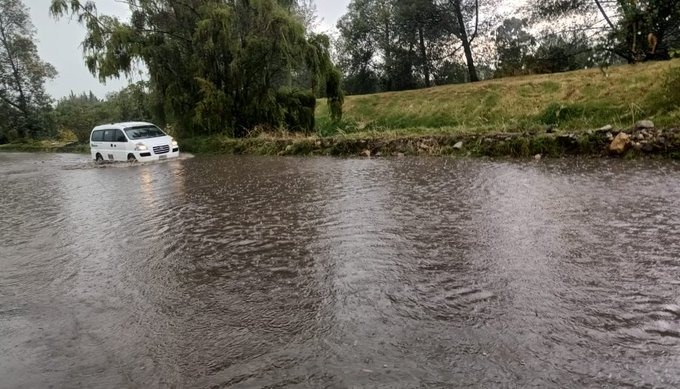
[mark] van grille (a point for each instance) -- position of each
(161, 149)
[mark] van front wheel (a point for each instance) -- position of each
(99, 158)
(131, 158)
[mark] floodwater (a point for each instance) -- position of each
(284, 272)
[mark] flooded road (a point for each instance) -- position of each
(282, 272)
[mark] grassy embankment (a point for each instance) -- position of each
(511, 116)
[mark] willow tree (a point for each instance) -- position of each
(214, 65)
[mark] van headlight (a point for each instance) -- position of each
(174, 143)
(141, 147)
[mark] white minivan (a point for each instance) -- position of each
(131, 141)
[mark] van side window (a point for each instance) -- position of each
(109, 135)
(98, 136)
(120, 137)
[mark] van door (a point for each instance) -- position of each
(97, 144)
(121, 146)
(109, 145)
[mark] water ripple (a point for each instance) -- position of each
(265, 272)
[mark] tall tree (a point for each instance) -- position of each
(402, 43)
(24, 105)
(421, 25)
(367, 45)
(513, 44)
(214, 65)
(465, 27)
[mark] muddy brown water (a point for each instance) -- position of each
(286, 272)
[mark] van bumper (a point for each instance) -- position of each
(149, 156)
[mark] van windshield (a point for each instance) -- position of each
(144, 132)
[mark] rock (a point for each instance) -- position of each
(606, 128)
(458, 146)
(400, 155)
(549, 129)
(366, 153)
(644, 124)
(620, 144)
(538, 157)
(610, 136)
(639, 137)
(637, 146)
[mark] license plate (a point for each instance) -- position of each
(161, 157)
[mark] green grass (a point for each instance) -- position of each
(573, 101)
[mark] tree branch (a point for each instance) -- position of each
(604, 13)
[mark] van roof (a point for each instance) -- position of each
(122, 125)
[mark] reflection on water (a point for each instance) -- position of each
(254, 272)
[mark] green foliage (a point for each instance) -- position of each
(80, 113)
(214, 66)
(25, 110)
(134, 103)
(298, 109)
(336, 96)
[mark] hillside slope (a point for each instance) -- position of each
(580, 100)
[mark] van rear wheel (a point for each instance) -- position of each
(131, 158)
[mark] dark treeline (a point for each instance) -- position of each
(239, 67)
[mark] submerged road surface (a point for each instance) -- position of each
(286, 272)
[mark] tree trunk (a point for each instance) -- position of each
(423, 56)
(466, 42)
(388, 56)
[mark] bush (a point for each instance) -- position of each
(298, 109)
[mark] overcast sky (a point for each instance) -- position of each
(59, 44)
